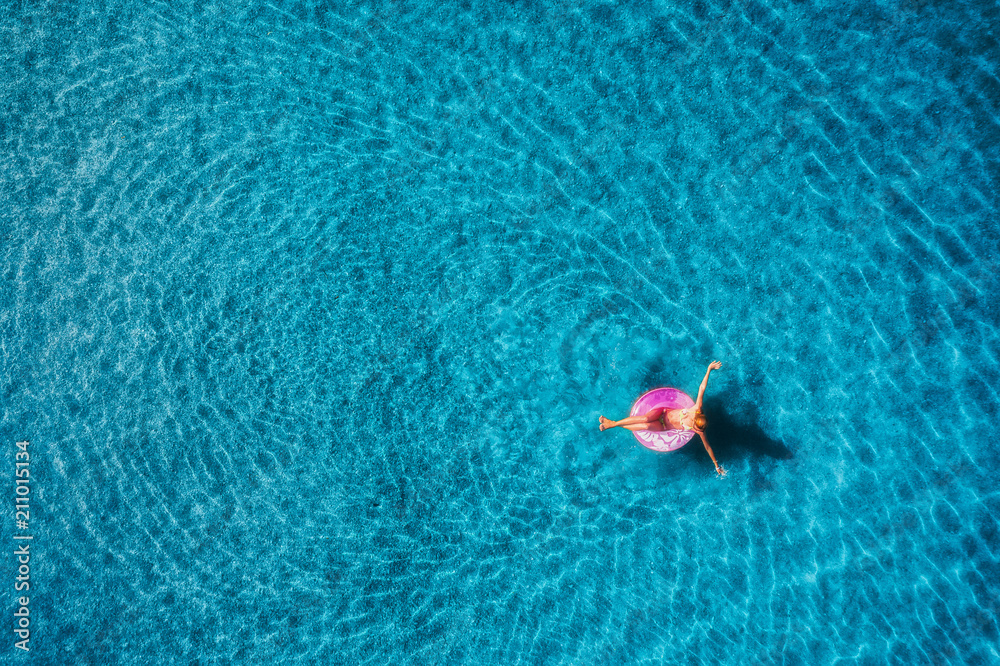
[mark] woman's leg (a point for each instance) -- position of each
(654, 426)
(643, 420)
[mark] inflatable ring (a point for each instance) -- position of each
(663, 440)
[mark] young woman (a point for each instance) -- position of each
(673, 419)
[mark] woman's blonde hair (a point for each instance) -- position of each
(700, 421)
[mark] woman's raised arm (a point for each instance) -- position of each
(714, 365)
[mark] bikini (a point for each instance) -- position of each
(684, 414)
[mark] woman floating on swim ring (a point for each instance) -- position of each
(660, 419)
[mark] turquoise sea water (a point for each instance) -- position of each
(309, 311)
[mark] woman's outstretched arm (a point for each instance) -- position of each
(714, 365)
(704, 440)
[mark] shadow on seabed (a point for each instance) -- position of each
(739, 437)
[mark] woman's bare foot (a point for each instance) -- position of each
(606, 423)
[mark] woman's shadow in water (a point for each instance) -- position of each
(734, 438)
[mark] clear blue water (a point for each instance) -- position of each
(309, 312)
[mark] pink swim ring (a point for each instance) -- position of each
(668, 398)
